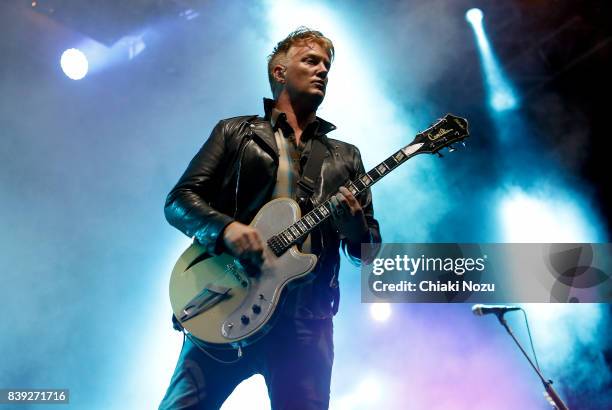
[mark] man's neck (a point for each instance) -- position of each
(298, 117)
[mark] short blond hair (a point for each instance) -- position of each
(300, 36)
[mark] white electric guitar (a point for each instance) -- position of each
(222, 305)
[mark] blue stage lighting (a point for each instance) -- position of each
(74, 64)
(474, 16)
(500, 94)
(502, 100)
(550, 214)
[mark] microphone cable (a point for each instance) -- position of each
(535, 356)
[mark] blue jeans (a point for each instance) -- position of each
(295, 359)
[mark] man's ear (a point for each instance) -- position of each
(279, 73)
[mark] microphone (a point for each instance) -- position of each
(480, 310)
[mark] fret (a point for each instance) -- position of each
(353, 189)
(316, 216)
(366, 180)
(324, 211)
(277, 242)
(390, 163)
(288, 235)
(399, 156)
(302, 226)
(382, 169)
(295, 231)
(272, 243)
(374, 175)
(310, 220)
(281, 239)
(358, 183)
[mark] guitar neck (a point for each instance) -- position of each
(282, 241)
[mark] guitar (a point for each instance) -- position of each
(218, 302)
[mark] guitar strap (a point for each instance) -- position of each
(306, 184)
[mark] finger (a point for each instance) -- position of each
(337, 209)
(352, 201)
(254, 247)
(344, 204)
(334, 204)
(255, 242)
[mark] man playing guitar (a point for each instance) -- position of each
(246, 162)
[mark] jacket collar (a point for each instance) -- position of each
(263, 129)
(323, 128)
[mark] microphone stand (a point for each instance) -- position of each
(552, 394)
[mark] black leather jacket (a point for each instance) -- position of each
(233, 175)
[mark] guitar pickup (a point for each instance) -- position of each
(207, 298)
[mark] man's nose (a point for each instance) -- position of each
(322, 70)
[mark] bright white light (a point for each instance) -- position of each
(250, 394)
(371, 389)
(367, 394)
(544, 217)
(380, 311)
(74, 64)
(503, 100)
(474, 16)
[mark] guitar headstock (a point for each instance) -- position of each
(443, 133)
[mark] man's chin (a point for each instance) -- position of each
(312, 99)
(317, 97)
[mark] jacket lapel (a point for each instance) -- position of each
(263, 130)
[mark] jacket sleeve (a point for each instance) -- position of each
(188, 204)
(372, 236)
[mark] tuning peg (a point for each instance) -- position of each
(439, 154)
(463, 143)
(451, 148)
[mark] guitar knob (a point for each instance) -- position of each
(256, 309)
(244, 319)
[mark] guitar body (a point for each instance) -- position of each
(235, 308)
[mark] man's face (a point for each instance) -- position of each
(306, 72)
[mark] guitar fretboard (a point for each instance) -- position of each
(282, 241)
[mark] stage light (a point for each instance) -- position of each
(502, 100)
(371, 389)
(474, 16)
(500, 94)
(380, 311)
(74, 64)
(545, 217)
